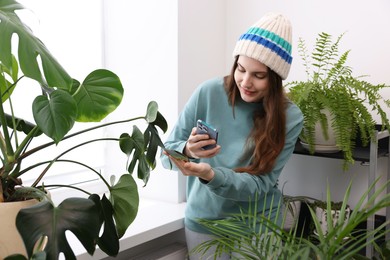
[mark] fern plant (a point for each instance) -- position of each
(331, 86)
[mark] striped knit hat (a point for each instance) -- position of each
(268, 41)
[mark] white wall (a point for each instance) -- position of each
(202, 33)
(141, 45)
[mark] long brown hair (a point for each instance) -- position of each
(268, 134)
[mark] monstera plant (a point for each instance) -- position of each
(95, 219)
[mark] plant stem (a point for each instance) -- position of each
(65, 152)
(68, 186)
(25, 142)
(5, 144)
(38, 148)
(63, 160)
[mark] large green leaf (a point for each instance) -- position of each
(99, 95)
(30, 49)
(55, 116)
(78, 215)
(109, 241)
(125, 200)
(136, 143)
(143, 148)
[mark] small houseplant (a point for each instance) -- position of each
(62, 102)
(240, 233)
(331, 86)
(337, 211)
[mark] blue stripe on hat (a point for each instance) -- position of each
(268, 44)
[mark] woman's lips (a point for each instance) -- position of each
(249, 93)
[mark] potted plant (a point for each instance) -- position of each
(337, 214)
(96, 220)
(332, 98)
(252, 235)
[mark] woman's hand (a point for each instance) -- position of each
(201, 170)
(195, 143)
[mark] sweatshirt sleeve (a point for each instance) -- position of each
(239, 186)
(178, 137)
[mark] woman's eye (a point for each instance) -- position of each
(240, 68)
(261, 76)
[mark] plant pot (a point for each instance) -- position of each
(292, 214)
(10, 240)
(321, 144)
(322, 217)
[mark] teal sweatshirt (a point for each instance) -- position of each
(228, 190)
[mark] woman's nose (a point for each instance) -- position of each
(246, 81)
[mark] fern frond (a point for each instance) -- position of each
(303, 52)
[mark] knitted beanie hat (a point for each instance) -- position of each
(268, 41)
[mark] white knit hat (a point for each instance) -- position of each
(268, 41)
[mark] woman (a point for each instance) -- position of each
(258, 128)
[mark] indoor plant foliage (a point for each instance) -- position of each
(331, 86)
(62, 102)
(240, 233)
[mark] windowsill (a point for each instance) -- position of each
(154, 219)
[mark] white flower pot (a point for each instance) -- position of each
(321, 144)
(10, 240)
(322, 217)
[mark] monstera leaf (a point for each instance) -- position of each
(100, 93)
(30, 49)
(84, 218)
(125, 200)
(143, 147)
(56, 115)
(78, 215)
(109, 240)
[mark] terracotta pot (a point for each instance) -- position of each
(10, 240)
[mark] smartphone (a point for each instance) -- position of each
(205, 128)
(177, 155)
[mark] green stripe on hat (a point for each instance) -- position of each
(271, 36)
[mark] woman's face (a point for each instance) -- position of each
(251, 77)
